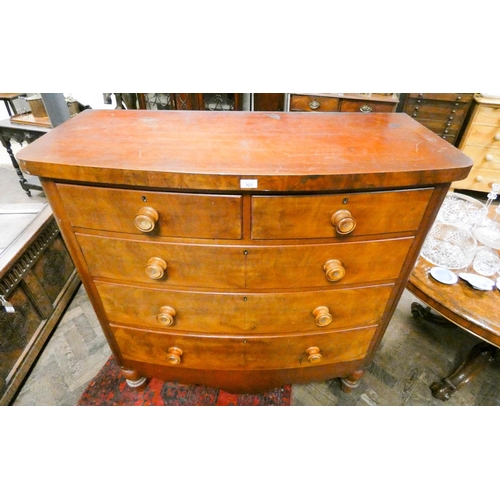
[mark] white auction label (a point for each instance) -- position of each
(249, 183)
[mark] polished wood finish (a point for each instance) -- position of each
(244, 235)
(462, 305)
(268, 102)
(481, 141)
(350, 103)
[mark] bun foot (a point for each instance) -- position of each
(479, 357)
(133, 379)
(351, 382)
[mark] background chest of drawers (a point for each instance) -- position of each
(444, 114)
(357, 103)
(244, 250)
(481, 141)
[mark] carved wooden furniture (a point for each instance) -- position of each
(37, 280)
(444, 114)
(470, 309)
(190, 101)
(244, 250)
(481, 141)
(359, 103)
(20, 133)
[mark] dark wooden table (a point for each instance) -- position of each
(20, 133)
(9, 100)
(470, 309)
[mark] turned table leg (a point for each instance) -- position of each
(477, 360)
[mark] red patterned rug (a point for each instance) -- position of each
(109, 388)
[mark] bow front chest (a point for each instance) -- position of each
(243, 250)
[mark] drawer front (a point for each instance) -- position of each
(169, 264)
(239, 313)
(488, 115)
(479, 179)
(484, 157)
(279, 217)
(442, 127)
(252, 353)
(484, 136)
(179, 215)
(313, 103)
(295, 266)
(447, 112)
(465, 98)
(263, 267)
(360, 106)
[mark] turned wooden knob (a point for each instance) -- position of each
(174, 356)
(314, 355)
(334, 270)
(156, 268)
(146, 219)
(166, 316)
(323, 316)
(343, 222)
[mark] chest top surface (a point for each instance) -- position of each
(216, 151)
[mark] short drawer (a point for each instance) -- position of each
(465, 98)
(488, 115)
(254, 267)
(178, 214)
(234, 353)
(313, 103)
(360, 106)
(479, 179)
(484, 136)
(241, 313)
(483, 157)
(310, 216)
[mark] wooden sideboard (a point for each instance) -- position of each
(360, 103)
(481, 141)
(244, 250)
(38, 278)
(444, 114)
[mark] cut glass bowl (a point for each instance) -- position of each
(449, 246)
(461, 210)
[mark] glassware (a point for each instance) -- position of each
(486, 262)
(449, 246)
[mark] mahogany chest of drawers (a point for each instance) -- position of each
(351, 103)
(481, 141)
(244, 250)
(444, 114)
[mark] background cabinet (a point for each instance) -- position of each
(361, 103)
(444, 114)
(481, 141)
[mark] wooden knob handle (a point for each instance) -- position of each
(174, 356)
(146, 219)
(155, 268)
(323, 316)
(489, 157)
(314, 355)
(343, 222)
(334, 270)
(166, 316)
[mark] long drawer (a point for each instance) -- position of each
(287, 217)
(483, 157)
(257, 267)
(179, 214)
(233, 353)
(239, 313)
(484, 136)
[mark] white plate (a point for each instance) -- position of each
(443, 275)
(478, 282)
